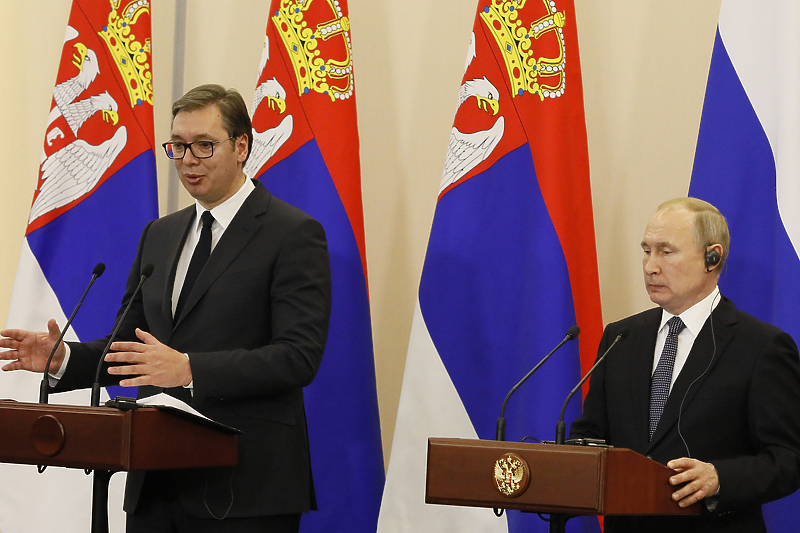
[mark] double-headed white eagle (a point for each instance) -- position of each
(77, 113)
(75, 169)
(267, 142)
(466, 150)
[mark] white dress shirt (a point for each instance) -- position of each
(223, 214)
(694, 318)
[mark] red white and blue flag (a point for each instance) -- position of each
(306, 152)
(96, 191)
(747, 164)
(510, 265)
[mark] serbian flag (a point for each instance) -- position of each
(510, 265)
(747, 164)
(305, 150)
(96, 191)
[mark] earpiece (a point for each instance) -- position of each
(712, 258)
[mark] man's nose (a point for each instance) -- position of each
(651, 265)
(189, 158)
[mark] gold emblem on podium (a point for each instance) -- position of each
(511, 475)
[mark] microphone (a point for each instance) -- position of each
(44, 388)
(561, 426)
(147, 271)
(501, 421)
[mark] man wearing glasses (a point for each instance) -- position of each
(233, 321)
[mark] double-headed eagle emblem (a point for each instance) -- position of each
(511, 475)
(74, 170)
(526, 72)
(467, 149)
(267, 142)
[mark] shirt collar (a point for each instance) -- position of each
(696, 315)
(224, 212)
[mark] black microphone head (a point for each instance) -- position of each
(623, 332)
(573, 332)
(99, 268)
(147, 270)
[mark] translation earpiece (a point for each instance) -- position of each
(712, 258)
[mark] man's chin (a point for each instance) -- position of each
(657, 295)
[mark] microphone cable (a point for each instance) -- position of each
(708, 367)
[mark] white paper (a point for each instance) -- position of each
(163, 399)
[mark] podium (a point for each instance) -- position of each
(109, 440)
(545, 478)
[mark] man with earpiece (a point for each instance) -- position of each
(698, 385)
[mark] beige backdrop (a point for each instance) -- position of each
(645, 64)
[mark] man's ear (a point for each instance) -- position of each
(241, 148)
(713, 256)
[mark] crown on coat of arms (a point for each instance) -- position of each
(526, 72)
(314, 73)
(130, 55)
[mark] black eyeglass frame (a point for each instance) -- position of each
(189, 146)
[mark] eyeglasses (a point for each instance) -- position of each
(199, 149)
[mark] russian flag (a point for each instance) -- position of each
(306, 152)
(510, 266)
(747, 164)
(96, 191)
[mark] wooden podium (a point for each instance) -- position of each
(570, 480)
(109, 440)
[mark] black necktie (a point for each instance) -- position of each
(662, 377)
(199, 258)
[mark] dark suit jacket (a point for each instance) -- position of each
(740, 391)
(254, 328)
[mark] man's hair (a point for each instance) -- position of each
(235, 118)
(709, 228)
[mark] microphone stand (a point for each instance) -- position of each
(147, 271)
(500, 429)
(102, 478)
(100, 483)
(44, 387)
(558, 522)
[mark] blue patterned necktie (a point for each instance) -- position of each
(659, 385)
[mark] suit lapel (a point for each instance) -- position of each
(698, 365)
(241, 230)
(174, 245)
